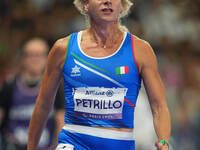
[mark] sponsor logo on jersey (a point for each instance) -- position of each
(109, 93)
(75, 71)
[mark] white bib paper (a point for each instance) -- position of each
(99, 103)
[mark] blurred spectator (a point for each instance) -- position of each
(41, 4)
(18, 99)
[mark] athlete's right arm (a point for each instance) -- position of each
(49, 86)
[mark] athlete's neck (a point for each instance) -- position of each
(105, 33)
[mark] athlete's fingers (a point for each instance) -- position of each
(161, 146)
(157, 146)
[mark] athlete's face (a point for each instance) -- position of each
(103, 10)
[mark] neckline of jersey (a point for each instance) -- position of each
(79, 41)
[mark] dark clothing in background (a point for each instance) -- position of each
(18, 101)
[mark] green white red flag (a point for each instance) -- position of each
(122, 70)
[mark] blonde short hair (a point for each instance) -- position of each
(125, 3)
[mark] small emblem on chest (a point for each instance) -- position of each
(75, 71)
(122, 70)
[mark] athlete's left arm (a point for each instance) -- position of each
(147, 64)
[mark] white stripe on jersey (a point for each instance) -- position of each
(98, 73)
(99, 132)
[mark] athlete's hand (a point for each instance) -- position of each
(161, 146)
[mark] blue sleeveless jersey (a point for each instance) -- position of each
(100, 92)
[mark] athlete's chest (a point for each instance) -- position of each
(113, 71)
(98, 51)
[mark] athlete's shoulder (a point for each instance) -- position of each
(61, 43)
(142, 47)
(58, 51)
(60, 46)
(143, 52)
(140, 43)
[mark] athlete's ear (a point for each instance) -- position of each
(86, 6)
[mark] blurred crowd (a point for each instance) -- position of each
(172, 27)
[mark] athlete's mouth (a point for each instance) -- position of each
(107, 10)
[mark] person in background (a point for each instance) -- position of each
(18, 97)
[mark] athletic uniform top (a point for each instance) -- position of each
(100, 92)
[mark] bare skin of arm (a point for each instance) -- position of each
(45, 100)
(59, 117)
(147, 64)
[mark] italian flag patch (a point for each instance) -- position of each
(122, 70)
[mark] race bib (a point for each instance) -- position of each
(99, 103)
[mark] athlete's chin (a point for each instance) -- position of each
(108, 19)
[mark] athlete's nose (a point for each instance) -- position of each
(107, 2)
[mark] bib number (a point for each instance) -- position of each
(99, 103)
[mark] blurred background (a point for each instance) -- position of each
(172, 27)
